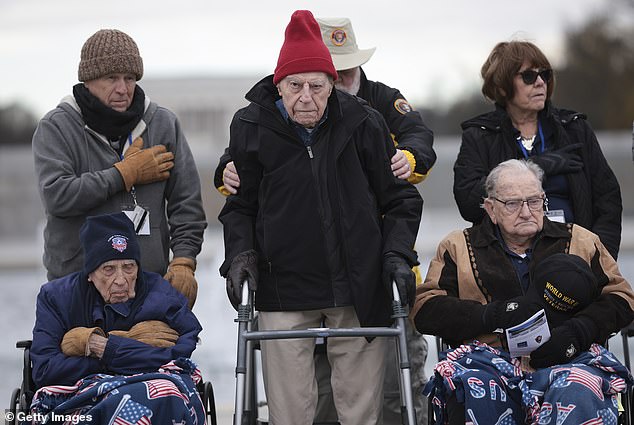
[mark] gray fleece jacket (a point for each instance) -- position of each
(76, 178)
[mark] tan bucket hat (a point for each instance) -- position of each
(339, 37)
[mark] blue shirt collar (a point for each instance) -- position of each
(308, 137)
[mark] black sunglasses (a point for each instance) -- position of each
(529, 76)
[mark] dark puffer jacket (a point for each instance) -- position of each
(489, 139)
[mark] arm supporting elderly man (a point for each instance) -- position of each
(411, 135)
(122, 355)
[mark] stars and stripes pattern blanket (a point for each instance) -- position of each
(495, 390)
(168, 396)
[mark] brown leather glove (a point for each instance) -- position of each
(75, 341)
(142, 166)
(180, 273)
(151, 332)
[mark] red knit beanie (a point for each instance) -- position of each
(303, 49)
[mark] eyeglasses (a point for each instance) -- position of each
(315, 86)
(111, 269)
(514, 205)
(529, 76)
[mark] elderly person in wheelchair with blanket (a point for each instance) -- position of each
(498, 274)
(112, 342)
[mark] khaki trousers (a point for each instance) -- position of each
(288, 369)
(417, 349)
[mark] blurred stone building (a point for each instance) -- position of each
(204, 107)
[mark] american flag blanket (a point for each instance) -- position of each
(168, 396)
(495, 390)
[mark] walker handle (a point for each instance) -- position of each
(245, 293)
(395, 293)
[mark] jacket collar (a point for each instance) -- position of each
(497, 119)
(363, 85)
(262, 110)
(484, 234)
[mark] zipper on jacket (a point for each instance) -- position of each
(315, 174)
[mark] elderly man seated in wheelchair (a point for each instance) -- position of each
(112, 342)
(495, 275)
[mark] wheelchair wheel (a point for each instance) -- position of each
(209, 402)
(13, 407)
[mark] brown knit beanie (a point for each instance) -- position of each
(107, 52)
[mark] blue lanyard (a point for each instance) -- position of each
(129, 143)
(541, 138)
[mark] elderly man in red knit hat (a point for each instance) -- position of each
(319, 229)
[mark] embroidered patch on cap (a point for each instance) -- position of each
(120, 243)
(403, 106)
(338, 37)
(557, 299)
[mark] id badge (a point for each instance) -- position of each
(555, 215)
(140, 217)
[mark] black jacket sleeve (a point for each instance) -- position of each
(606, 203)
(405, 124)
(399, 202)
(222, 163)
(470, 173)
(240, 210)
(609, 313)
(447, 316)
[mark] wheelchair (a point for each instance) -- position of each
(21, 397)
(625, 417)
(246, 403)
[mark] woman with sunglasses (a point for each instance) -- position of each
(579, 184)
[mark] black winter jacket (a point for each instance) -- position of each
(595, 193)
(276, 209)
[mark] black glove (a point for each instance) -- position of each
(396, 269)
(562, 347)
(561, 161)
(244, 266)
(505, 314)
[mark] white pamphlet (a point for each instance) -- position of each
(527, 336)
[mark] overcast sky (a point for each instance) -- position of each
(430, 50)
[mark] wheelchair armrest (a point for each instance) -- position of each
(628, 330)
(27, 387)
(26, 343)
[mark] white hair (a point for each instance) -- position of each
(491, 183)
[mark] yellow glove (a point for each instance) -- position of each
(180, 273)
(151, 332)
(75, 341)
(142, 166)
